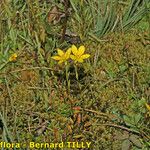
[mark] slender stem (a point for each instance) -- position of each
(76, 71)
(67, 76)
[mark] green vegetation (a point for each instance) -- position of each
(102, 98)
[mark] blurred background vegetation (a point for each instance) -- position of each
(108, 105)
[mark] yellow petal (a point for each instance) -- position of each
(67, 54)
(60, 62)
(85, 56)
(60, 52)
(74, 50)
(72, 57)
(147, 106)
(56, 57)
(81, 50)
(80, 60)
(13, 57)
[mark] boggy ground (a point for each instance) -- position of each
(106, 106)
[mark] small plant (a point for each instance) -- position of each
(76, 56)
(12, 58)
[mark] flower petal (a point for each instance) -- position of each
(56, 57)
(67, 54)
(85, 56)
(73, 57)
(80, 60)
(81, 50)
(60, 62)
(74, 50)
(13, 57)
(147, 106)
(60, 52)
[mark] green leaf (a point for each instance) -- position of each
(137, 118)
(128, 121)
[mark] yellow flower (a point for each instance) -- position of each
(78, 54)
(147, 106)
(13, 57)
(62, 56)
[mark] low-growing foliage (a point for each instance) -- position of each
(98, 92)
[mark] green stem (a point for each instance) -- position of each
(67, 76)
(76, 71)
